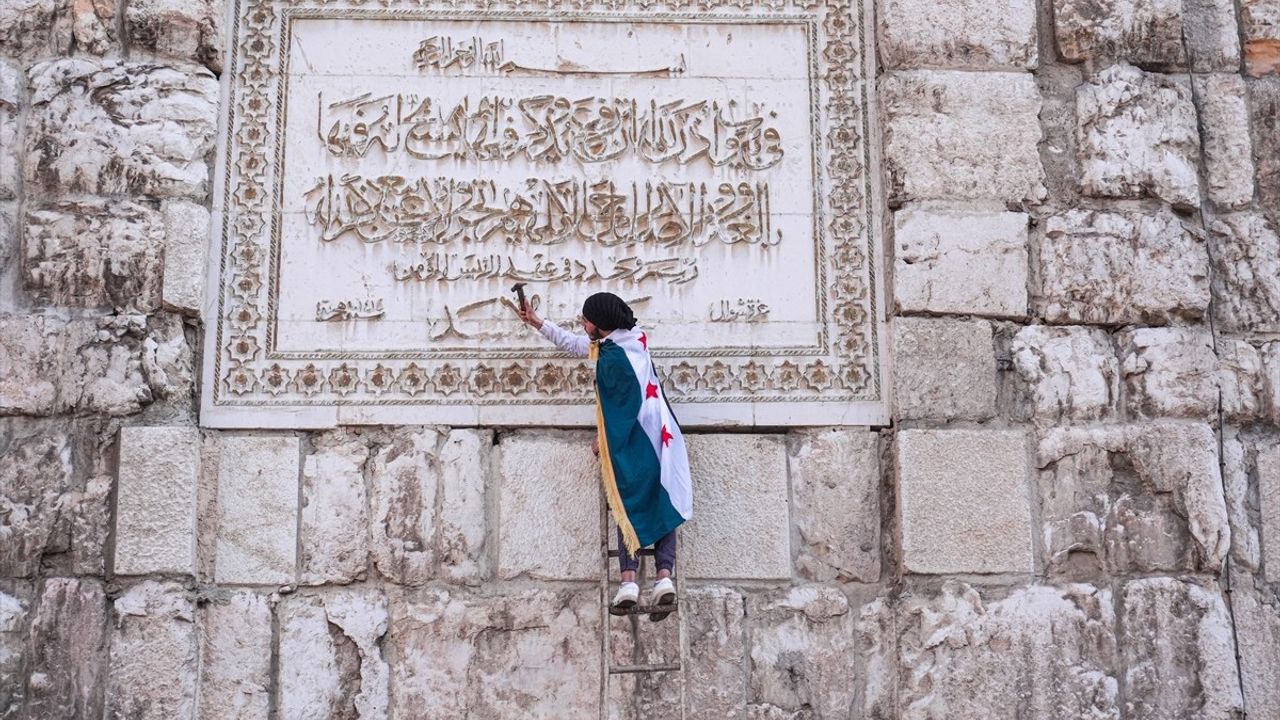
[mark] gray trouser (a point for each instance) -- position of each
(664, 551)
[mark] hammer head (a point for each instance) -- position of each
(518, 289)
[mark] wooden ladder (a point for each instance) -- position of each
(632, 615)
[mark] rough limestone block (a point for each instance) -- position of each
(945, 369)
(331, 662)
(94, 253)
(156, 500)
(1268, 470)
(107, 127)
(961, 262)
(12, 82)
(152, 670)
(335, 542)
(257, 509)
(533, 654)
(958, 34)
(55, 486)
(403, 482)
(1137, 137)
(1228, 154)
(1240, 382)
(1132, 499)
(186, 251)
(15, 615)
(30, 28)
(1071, 373)
(183, 29)
(1169, 34)
(1169, 372)
(1270, 386)
(1257, 625)
(235, 658)
(963, 501)
(740, 526)
(835, 485)
(68, 650)
(1264, 118)
(1121, 268)
(1178, 651)
(541, 532)
(1240, 485)
(717, 646)
(803, 652)
(962, 136)
(1040, 652)
(1261, 22)
(464, 460)
(1246, 280)
(30, 353)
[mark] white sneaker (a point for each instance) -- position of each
(664, 592)
(628, 595)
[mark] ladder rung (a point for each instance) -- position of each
(644, 609)
(647, 552)
(626, 669)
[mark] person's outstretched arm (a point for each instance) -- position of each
(572, 343)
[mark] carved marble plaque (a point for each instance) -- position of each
(389, 173)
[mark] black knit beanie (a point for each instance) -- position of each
(608, 312)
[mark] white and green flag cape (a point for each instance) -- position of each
(643, 460)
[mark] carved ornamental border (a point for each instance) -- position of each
(242, 376)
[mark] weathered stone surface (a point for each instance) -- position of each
(186, 250)
(184, 29)
(235, 658)
(534, 654)
(1122, 268)
(34, 27)
(464, 460)
(54, 489)
(802, 653)
(740, 525)
(957, 135)
(1241, 487)
(404, 480)
(1261, 22)
(944, 369)
(963, 501)
(331, 663)
(1257, 630)
(1268, 470)
(136, 128)
(257, 509)
(835, 485)
(11, 85)
(156, 500)
(114, 365)
(1166, 33)
(962, 262)
(15, 616)
(152, 670)
(1071, 373)
(1132, 498)
(168, 364)
(1042, 652)
(1137, 137)
(958, 33)
(717, 649)
(1169, 372)
(1246, 280)
(1240, 381)
(1178, 651)
(1228, 154)
(68, 651)
(539, 534)
(1264, 118)
(335, 535)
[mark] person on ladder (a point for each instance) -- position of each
(643, 461)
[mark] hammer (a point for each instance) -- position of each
(518, 289)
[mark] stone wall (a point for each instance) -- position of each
(1076, 513)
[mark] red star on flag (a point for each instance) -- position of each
(644, 340)
(651, 391)
(667, 437)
